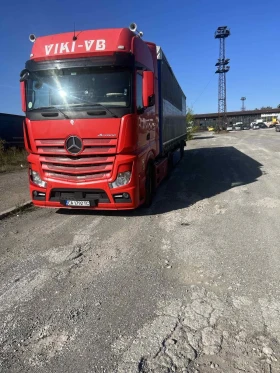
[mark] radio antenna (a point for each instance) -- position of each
(74, 37)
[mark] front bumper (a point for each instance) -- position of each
(97, 192)
(101, 197)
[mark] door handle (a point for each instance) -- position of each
(148, 136)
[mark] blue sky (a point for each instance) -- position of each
(184, 30)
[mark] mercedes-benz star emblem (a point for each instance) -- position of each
(74, 145)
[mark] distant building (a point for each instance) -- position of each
(247, 116)
(11, 129)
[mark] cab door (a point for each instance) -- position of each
(146, 116)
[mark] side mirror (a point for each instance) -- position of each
(24, 75)
(23, 96)
(148, 89)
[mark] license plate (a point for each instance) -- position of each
(78, 203)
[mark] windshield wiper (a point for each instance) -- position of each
(53, 107)
(104, 107)
(97, 104)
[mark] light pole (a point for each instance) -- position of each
(222, 33)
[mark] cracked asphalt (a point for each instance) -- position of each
(189, 285)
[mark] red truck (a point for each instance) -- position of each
(104, 116)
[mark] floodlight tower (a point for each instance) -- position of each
(243, 103)
(222, 33)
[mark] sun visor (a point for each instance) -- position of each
(118, 59)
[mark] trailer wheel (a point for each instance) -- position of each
(182, 149)
(170, 165)
(149, 186)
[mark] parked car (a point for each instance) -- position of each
(256, 126)
(262, 125)
(277, 127)
(246, 127)
(271, 125)
(238, 126)
(229, 127)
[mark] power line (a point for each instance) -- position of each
(9, 86)
(203, 90)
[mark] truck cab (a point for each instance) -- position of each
(92, 119)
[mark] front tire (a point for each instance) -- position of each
(182, 149)
(149, 186)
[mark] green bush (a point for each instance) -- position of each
(190, 132)
(2, 146)
(12, 159)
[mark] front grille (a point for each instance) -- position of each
(94, 162)
(99, 195)
(91, 146)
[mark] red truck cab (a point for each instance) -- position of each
(92, 120)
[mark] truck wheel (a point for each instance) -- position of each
(182, 149)
(169, 164)
(149, 186)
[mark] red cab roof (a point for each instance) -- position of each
(89, 42)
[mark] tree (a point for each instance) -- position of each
(190, 123)
(190, 117)
(278, 106)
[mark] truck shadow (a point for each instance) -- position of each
(202, 173)
(205, 173)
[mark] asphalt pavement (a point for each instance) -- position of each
(189, 285)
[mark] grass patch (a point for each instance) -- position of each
(12, 159)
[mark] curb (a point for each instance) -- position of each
(15, 209)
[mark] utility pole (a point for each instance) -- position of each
(222, 33)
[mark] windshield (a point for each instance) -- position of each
(74, 87)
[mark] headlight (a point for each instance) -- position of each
(35, 177)
(123, 178)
